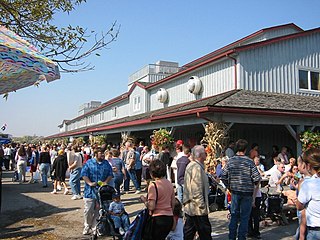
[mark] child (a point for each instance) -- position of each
(176, 232)
(118, 214)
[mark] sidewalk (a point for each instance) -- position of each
(31, 212)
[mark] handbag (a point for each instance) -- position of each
(37, 176)
(149, 222)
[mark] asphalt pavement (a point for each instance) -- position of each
(31, 212)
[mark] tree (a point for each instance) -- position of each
(67, 46)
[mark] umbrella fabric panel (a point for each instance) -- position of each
(21, 64)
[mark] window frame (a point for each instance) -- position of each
(136, 105)
(308, 70)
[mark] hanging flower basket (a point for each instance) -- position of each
(161, 138)
(310, 140)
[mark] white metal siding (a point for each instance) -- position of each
(271, 34)
(274, 68)
(216, 78)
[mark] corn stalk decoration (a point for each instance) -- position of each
(214, 141)
(127, 138)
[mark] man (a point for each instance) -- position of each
(94, 171)
(254, 152)
(129, 158)
(195, 197)
(75, 164)
(242, 179)
(230, 150)
(278, 176)
(164, 156)
(182, 164)
(283, 155)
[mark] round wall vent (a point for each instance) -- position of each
(194, 85)
(162, 95)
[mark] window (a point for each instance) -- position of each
(114, 112)
(101, 116)
(309, 80)
(136, 103)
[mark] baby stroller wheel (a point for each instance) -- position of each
(213, 207)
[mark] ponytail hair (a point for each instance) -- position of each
(312, 157)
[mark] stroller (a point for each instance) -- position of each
(105, 225)
(272, 205)
(216, 195)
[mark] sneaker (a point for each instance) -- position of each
(59, 188)
(74, 197)
(137, 192)
(66, 192)
(79, 196)
(121, 231)
(54, 192)
(86, 231)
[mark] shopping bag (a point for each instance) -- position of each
(37, 176)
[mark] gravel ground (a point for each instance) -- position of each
(31, 212)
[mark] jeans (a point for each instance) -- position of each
(254, 219)
(200, 224)
(118, 179)
(313, 235)
(180, 193)
(138, 174)
(44, 167)
(131, 174)
(74, 181)
(121, 221)
(22, 170)
(240, 212)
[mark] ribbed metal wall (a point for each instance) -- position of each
(274, 68)
(216, 78)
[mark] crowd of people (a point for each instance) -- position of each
(179, 211)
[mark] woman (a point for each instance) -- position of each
(160, 202)
(44, 167)
(309, 193)
(305, 176)
(119, 173)
(59, 167)
(21, 158)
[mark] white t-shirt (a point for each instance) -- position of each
(177, 234)
(310, 194)
(274, 178)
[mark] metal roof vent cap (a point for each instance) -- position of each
(162, 95)
(194, 85)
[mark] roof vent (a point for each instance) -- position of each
(162, 95)
(194, 85)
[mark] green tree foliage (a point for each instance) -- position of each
(68, 46)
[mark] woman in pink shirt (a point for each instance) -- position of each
(160, 200)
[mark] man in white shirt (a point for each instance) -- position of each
(277, 177)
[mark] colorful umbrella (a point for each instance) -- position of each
(21, 64)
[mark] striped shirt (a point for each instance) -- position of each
(240, 174)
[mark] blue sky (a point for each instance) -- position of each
(180, 30)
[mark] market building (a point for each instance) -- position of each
(265, 86)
